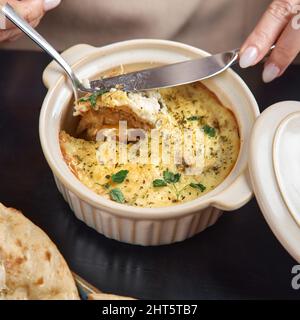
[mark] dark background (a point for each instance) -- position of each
(238, 258)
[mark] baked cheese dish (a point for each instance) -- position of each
(194, 143)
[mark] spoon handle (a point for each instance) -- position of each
(11, 14)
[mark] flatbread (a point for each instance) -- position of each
(31, 267)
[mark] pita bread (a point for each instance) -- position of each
(31, 266)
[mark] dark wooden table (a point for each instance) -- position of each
(238, 258)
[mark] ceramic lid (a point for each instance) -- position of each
(274, 165)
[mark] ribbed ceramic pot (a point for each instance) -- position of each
(143, 226)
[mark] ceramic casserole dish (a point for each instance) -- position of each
(143, 226)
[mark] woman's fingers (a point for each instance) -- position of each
(7, 34)
(51, 4)
(18, 33)
(286, 50)
(30, 10)
(265, 34)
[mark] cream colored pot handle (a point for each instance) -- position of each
(236, 195)
(72, 55)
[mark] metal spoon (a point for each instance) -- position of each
(11, 14)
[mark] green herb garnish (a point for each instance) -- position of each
(117, 195)
(84, 99)
(120, 176)
(210, 131)
(198, 186)
(171, 177)
(159, 183)
(93, 97)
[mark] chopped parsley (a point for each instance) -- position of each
(210, 131)
(117, 195)
(198, 186)
(93, 97)
(120, 176)
(171, 177)
(168, 178)
(159, 183)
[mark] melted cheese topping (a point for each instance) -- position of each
(145, 105)
(190, 106)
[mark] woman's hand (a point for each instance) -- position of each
(280, 25)
(31, 10)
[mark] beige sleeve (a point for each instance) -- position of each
(212, 25)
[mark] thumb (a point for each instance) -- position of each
(30, 10)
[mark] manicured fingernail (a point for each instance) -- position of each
(51, 4)
(248, 57)
(271, 71)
